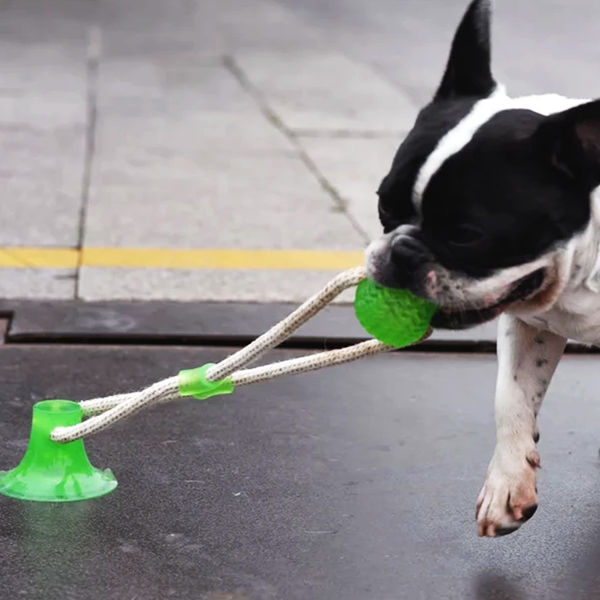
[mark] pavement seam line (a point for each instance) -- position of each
(339, 202)
(94, 51)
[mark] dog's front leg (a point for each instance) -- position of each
(527, 359)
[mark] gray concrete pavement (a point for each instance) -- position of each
(538, 46)
(238, 124)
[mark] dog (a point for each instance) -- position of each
(491, 208)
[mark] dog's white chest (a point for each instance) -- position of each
(576, 316)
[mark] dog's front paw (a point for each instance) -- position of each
(509, 495)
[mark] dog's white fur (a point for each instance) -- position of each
(531, 340)
(527, 360)
(532, 335)
(528, 357)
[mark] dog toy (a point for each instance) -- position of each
(55, 467)
(393, 316)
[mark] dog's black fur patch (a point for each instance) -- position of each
(518, 188)
(499, 201)
(395, 192)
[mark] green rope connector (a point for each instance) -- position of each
(193, 382)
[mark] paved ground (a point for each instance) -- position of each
(356, 483)
(244, 125)
(229, 150)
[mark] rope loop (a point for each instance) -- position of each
(222, 378)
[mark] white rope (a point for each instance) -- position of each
(287, 367)
(310, 363)
(104, 412)
(285, 328)
(162, 391)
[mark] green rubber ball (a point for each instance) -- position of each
(395, 317)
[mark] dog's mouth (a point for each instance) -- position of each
(520, 291)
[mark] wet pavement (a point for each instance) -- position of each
(356, 482)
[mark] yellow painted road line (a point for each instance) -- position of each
(170, 258)
(39, 258)
(163, 258)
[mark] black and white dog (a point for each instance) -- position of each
(491, 208)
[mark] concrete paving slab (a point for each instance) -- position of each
(408, 42)
(176, 21)
(354, 168)
(37, 67)
(37, 283)
(138, 86)
(41, 177)
(45, 112)
(36, 223)
(204, 42)
(212, 201)
(195, 285)
(320, 65)
(357, 482)
(193, 40)
(178, 28)
(161, 136)
(326, 91)
(43, 120)
(263, 25)
(47, 22)
(43, 84)
(157, 16)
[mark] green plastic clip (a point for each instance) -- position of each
(193, 382)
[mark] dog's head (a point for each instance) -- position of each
(487, 195)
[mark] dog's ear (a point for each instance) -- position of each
(571, 141)
(468, 71)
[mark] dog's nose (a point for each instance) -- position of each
(408, 254)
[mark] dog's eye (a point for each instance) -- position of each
(465, 235)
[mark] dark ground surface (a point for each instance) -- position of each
(190, 322)
(352, 483)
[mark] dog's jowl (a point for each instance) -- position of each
(492, 209)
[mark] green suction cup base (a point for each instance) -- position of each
(50, 487)
(53, 472)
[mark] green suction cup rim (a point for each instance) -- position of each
(53, 472)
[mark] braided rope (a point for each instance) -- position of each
(310, 363)
(285, 367)
(291, 323)
(104, 412)
(162, 391)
